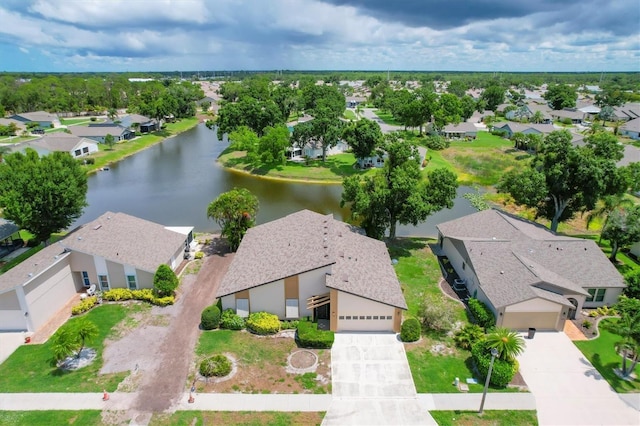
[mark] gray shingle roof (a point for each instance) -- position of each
(515, 260)
(519, 127)
(632, 125)
(38, 116)
(98, 131)
(59, 141)
(126, 239)
(305, 241)
(460, 128)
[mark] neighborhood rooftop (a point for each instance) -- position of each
(305, 241)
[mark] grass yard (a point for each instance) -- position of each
(601, 353)
(349, 115)
(79, 120)
(332, 171)
(31, 369)
(488, 418)
(387, 117)
(124, 149)
(54, 417)
(261, 364)
(270, 418)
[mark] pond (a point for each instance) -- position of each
(173, 182)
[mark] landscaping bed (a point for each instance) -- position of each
(264, 364)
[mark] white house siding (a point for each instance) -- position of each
(311, 283)
(178, 256)
(144, 279)
(49, 292)
(611, 296)
(229, 302)
(11, 315)
(117, 278)
(363, 313)
(535, 313)
(268, 298)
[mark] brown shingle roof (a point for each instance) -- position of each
(515, 260)
(305, 241)
(126, 239)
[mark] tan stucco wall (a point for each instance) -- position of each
(350, 305)
(84, 262)
(49, 292)
(229, 302)
(268, 298)
(534, 305)
(115, 271)
(145, 279)
(11, 316)
(533, 312)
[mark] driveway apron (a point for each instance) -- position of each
(567, 388)
(372, 383)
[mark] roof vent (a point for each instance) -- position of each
(95, 228)
(341, 254)
(501, 272)
(345, 278)
(30, 274)
(79, 238)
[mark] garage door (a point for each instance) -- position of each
(365, 323)
(47, 296)
(525, 320)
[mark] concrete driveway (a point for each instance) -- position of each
(567, 388)
(372, 383)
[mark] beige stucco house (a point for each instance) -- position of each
(528, 276)
(311, 265)
(114, 251)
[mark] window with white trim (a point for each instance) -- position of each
(104, 282)
(85, 279)
(596, 294)
(131, 281)
(242, 307)
(292, 308)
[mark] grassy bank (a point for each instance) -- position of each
(61, 417)
(106, 155)
(271, 418)
(488, 418)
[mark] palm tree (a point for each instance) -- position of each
(607, 205)
(508, 343)
(72, 337)
(84, 330)
(628, 327)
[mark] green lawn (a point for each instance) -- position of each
(243, 345)
(332, 171)
(387, 117)
(16, 139)
(257, 418)
(349, 115)
(53, 417)
(79, 120)
(601, 353)
(124, 149)
(488, 418)
(30, 367)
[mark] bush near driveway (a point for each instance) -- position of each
(145, 294)
(308, 336)
(410, 330)
(482, 314)
(503, 371)
(210, 318)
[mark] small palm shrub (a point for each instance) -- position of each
(410, 330)
(210, 317)
(199, 255)
(482, 314)
(231, 321)
(503, 371)
(508, 343)
(263, 323)
(216, 365)
(468, 336)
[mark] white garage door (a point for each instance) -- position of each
(11, 316)
(525, 320)
(365, 323)
(360, 314)
(49, 294)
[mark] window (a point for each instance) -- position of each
(348, 317)
(292, 308)
(131, 280)
(361, 317)
(242, 307)
(368, 317)
(85, 279)
(596, 294)
(375, 317)
(388, 317)
(104, 282)
(341, 317)
(77, 152)
(85, 150)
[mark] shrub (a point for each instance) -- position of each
(210, 318)
(199, 255)
(410, 330)
(481, 313)
(216, 365)
(499, 132)
(165, 281)
(633, 283)
(84, 305)
(89, 161)
(586, 324)
(436, 142)
(468, 336)
(117, 294)
(231, 321)
(163, 301)
(288, 325)
(263, 323)
(308, 336)
(606, 311)
(593, 313)
(436, 313)
(92, 118)
(566, 120)
(503, 371)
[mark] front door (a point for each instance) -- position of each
(322, 312)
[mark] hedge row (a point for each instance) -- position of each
(84, 305)
(308, 336)
(483, 315)
(263, 323)
(503, 371)
(146, 294)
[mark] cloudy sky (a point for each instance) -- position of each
(176, 35)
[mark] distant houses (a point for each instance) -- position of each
(463, 130)
(44, 119)
(526, 128)
(631, 129)
(59, 141)
(99, 131)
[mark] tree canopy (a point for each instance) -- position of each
(398, 193)
(492, 96)
(235, 211)
(564, 179)
(561, 96)
(363, 136)
(42, 194)
(622, 228)
(323, 131)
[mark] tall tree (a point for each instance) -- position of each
(42, 194)
(622, 229)
(109, 140)
(363, 136)
(563, 180)
(235, 211)
(398, 193)
(492, 96)
(323, 131)
(561, 96)
(273, 144)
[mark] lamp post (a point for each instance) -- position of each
(494, 354)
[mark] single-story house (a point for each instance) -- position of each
(44, 119)
(527, 275)
(631, 155)
(20, 126)
(114, 251)
(511, 128)
(626, 112)
(64, 142)
(376, 161)
(463, 130)
(631, 129)
(308, 264)
(98, 132)
(144, 124)
(574, 115)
